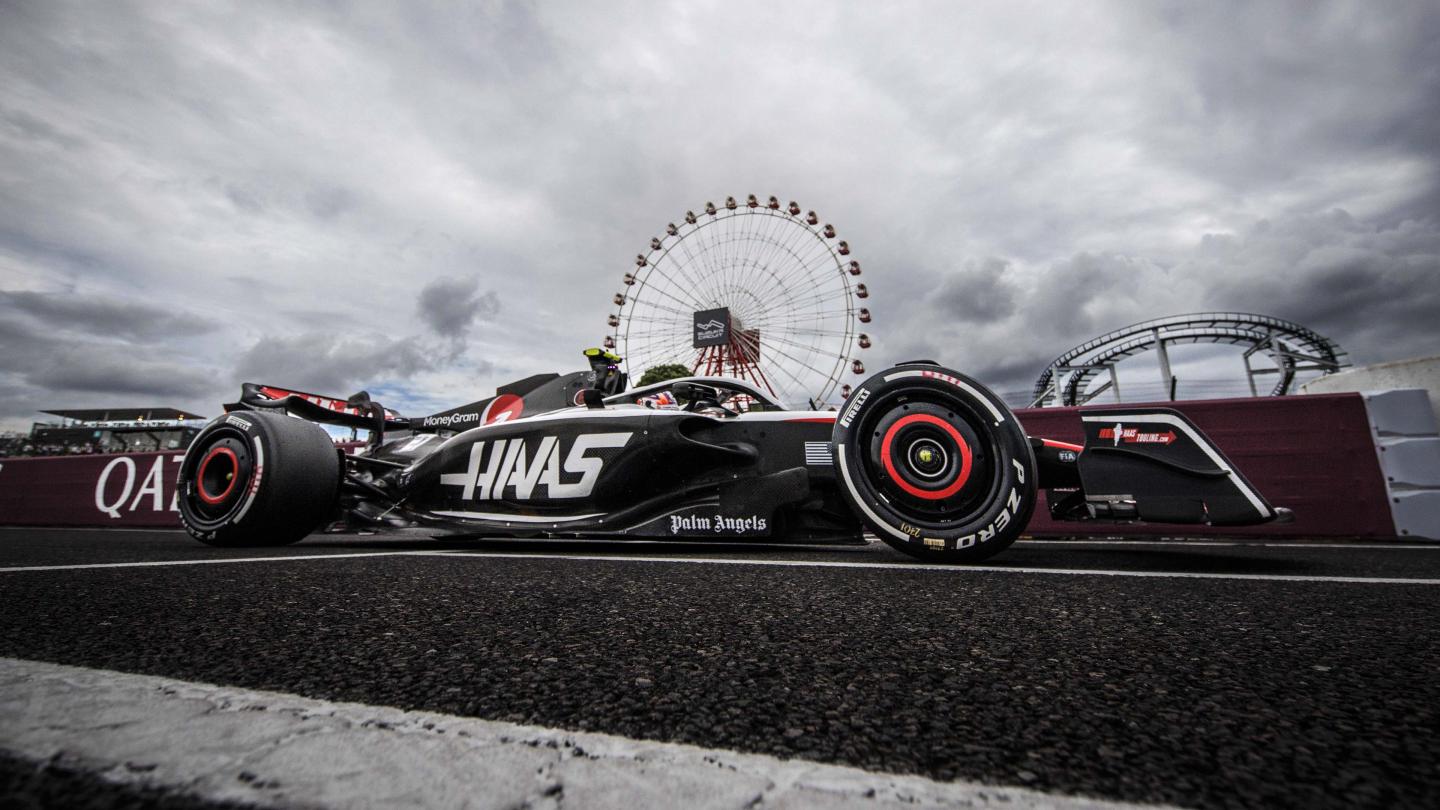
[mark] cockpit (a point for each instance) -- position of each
(715, 396)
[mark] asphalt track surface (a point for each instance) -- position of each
(1266, 676)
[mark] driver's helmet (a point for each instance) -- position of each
(605, 373)
(663, 400)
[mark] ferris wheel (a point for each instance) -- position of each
(756, 290)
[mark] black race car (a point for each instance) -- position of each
(928, 459)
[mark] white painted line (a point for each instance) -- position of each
(106, 529)
(1364, 545)
(951, 569)
(277, 750)
(895, 566)
(223, 560)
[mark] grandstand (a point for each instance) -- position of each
(105, 430)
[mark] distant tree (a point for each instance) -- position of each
(668, 371)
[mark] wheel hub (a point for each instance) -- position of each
(221, 477)
(928, 457)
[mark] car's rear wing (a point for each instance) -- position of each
(356, 411)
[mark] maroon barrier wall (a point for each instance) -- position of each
(1313, 454)
(134, 489)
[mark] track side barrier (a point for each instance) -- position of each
(131, 489)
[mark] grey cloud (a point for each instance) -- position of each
(333, 364)
(40, 369)
(1376, 291)
(978, 292)
(118, 371)
(103, 315)
(328, 202)
(16, 335)
(27, 127)
(451, 305)
(1247, 103)
(1068, 302)
(243, 199)
(1089, 293)
(379, 146)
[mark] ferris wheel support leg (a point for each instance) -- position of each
(765, 382)
(744, 367)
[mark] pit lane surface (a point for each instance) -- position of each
(1235, 689)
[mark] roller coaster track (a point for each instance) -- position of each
(1292, 348)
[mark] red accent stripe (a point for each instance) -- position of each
(200, 475)
(927, 494)
(1062, 445)
(329, 403)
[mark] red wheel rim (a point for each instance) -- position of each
(214, 453)
(927, 494)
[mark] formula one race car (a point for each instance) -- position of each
(926, 458)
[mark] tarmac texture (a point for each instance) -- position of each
(1235, 690)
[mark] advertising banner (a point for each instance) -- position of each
(134, 489)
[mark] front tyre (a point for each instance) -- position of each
(258, 479)
(935, 464)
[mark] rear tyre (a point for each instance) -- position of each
(258, 479)
(935, 464)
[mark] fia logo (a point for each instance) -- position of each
(510, 465)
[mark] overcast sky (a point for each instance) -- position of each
(428, 200)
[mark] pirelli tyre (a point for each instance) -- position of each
(258, 479)
(935, 464)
